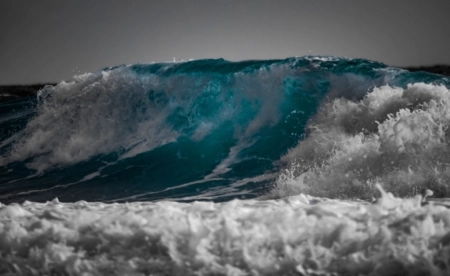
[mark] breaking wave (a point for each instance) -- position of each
(218, 130)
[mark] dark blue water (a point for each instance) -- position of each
(197, 130)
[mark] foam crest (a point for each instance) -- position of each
(394, 136)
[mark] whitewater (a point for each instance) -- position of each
(302, 166)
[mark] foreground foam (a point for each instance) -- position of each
(241, 237)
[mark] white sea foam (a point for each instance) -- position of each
(397, 137)
(241, 237)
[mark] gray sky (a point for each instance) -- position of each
(46, 41)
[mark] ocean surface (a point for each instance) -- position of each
(302, 166)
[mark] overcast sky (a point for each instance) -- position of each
(48, 41)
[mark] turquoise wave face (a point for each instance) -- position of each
(198, 130)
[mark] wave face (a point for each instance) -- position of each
(219, 130)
